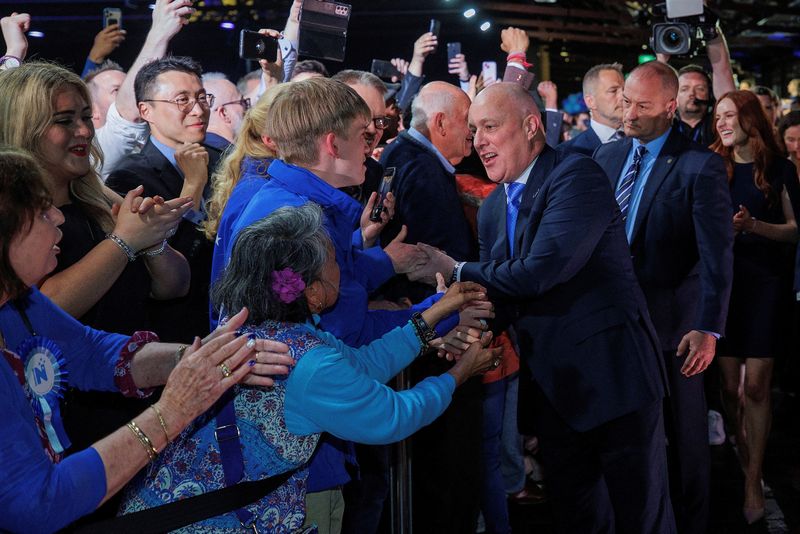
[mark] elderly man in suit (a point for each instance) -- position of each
(174, 163)
(674, 198)
(554, 258)
(602, 92)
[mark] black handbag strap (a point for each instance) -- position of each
(187, 511)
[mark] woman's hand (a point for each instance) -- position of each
(471, 325)
(201, 377)
(458, 295)
(370, 230)
(743, 221)
(476, 360)
(271, 357)
(143, 223)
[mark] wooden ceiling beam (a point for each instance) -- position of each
(584, 38)
(527, 9)
(569, 26)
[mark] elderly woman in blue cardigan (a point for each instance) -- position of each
(284, 270)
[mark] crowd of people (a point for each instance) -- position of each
(629, 281)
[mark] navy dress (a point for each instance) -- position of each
(762, 268)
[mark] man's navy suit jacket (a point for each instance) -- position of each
(177, 319)
(682, 242)
(571, 293)
(584, 143)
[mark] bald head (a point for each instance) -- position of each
(439, 112)
(228, 113)
(510, 96)
(656, 70)
(433, 98)
(508, 130)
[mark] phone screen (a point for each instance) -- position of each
(253, 45)
(383, 190)
(489, 70)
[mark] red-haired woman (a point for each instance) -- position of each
(764, 189)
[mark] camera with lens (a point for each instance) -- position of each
(684, 34)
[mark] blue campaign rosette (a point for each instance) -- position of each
(45, 380)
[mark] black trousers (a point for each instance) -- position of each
(609, 479)
(686, 421)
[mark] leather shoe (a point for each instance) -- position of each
(530, 494)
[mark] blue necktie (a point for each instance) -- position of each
(514, 192)
(626, 184)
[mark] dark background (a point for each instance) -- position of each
(567, 36)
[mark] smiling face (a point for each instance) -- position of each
(351, 151)
(64, 147)
(727, 124)
(457, 144)
(32, 252)
(648, 107)
(374, 100)
(503, 135)
(168, 124)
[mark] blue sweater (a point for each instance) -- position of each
(37, 495)
(361, 271)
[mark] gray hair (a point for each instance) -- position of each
(593, 74)
(360, 77)
(213, 76)
(241, 85)
(428, 103)
(290, 237)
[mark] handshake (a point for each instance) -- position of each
(430, 265)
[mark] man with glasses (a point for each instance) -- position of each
(227, 113)
(174, 163)
(372, 90)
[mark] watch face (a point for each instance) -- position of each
(9, 62)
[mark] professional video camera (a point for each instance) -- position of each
(687, 27)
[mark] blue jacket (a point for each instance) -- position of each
(361, 271)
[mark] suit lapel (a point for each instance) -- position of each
(663, 164)
(163, 169)
(616, 156)
(541, 170)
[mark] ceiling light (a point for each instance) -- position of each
(485, 26)
(469, 13)
(36, 33)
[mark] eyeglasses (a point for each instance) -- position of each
(382, 122)
(244, 102)
(186, 104)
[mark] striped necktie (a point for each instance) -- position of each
(625, 188)
(514, 192)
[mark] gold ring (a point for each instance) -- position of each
(225, 371)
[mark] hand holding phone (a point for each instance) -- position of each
(383, 190)
(489, 71)
(434, 28)
(384, 69)
(112, 15)
(254, 45)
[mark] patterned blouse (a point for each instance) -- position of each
(191, 465)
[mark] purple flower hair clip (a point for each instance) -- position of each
(287, 285)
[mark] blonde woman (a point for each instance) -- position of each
(238, 177)
(112, 256)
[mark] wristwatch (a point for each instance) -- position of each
(454, 275)
(9, 62)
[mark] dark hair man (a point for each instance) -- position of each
(174, 163)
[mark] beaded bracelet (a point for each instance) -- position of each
(123, 246)
(160, 420)
(143, 439)
(425, 333)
